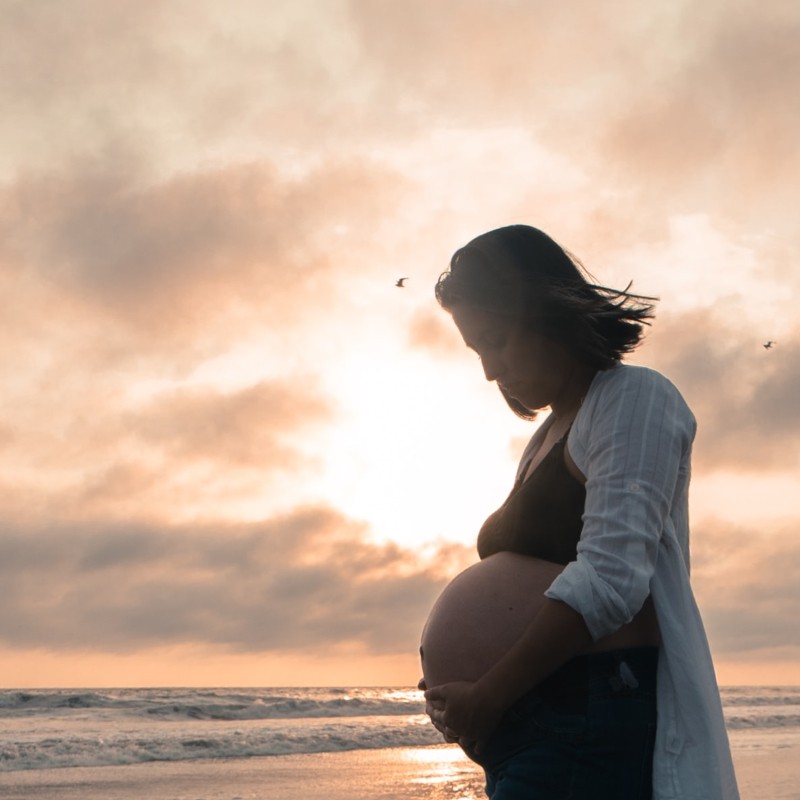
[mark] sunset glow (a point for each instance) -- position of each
(234, 451)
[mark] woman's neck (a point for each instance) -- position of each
(566, 406)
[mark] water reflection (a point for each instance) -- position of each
(445, 772)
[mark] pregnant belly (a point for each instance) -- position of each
(480, 614)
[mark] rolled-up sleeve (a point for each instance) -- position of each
(631, 439)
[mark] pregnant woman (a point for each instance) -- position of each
(571, 660)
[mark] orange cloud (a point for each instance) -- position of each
(305, 581)
(749, 606)
(190, 256)
(241, 428)
(432, 329)
(183, 454)
(745, 397)
(174, 186)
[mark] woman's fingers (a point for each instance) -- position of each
(435, 703)
(437, 718)
(447, 733)
(434, 694)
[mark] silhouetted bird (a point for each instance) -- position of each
(768, 345)
(401, 282)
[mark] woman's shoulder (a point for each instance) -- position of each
(625, 390)
(627, 399)
(624, 378)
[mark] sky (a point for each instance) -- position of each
(233, 451)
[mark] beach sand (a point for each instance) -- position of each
(429, 773)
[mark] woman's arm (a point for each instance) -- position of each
(633, 444)
(471, 711)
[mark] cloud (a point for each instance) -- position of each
(181, 182)
(509, 58)
(677, 110)
(178, 454)
(432, 329)
(196, 252)
(179, 83)
(243, 428)
(744, 396)
(65, 72)
(724, 106)
(650, 107)
(309, 580)
(748, 605)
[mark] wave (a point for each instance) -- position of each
(167, 744)
(99, 727)
(760, 696)
(735, 722)
(218, 704)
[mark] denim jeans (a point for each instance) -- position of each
(585, 733)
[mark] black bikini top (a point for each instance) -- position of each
(542, 517)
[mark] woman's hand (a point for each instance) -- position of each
(430, 709)
(462, 713)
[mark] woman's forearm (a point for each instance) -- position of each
(556, 634)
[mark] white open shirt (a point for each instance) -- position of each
(632, 439)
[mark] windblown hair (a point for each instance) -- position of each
(520, 272)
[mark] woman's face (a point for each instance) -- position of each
(530, 367)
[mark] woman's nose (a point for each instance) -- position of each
(491, 367)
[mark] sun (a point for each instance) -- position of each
(425, 449)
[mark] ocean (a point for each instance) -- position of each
(41, 729)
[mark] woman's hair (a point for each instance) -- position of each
(520, 272)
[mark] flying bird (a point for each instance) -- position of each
(401, 282)
(768, 345)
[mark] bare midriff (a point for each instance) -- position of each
(484, 610)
